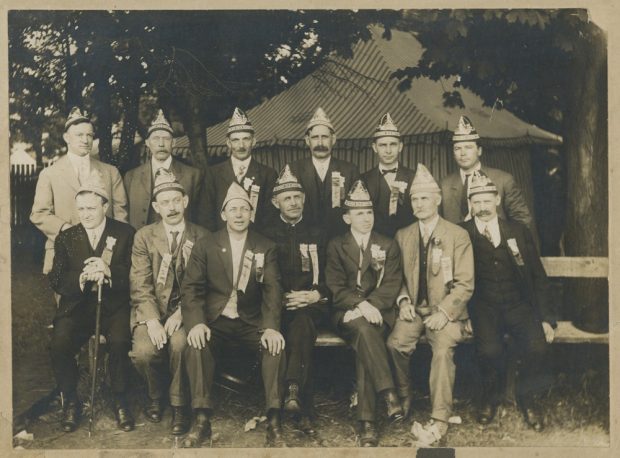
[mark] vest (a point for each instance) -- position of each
(423, 286)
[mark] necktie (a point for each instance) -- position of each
(241, 172)
(464, 200)
(359, 265)
(175, 244)
(161, 170)
(386, 171)
(487, 235)
(425, 235)
(93, 240)
(83, 172)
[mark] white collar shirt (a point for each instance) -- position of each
(428, 228)
(390, 177)
(94, 235)
(464, 175)
(236, 164)
(361, 239)
(493, 228)
(321, 167)
(180, 228)
(156, 165)
(236, 251)
(78, 162)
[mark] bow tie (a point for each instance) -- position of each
(386, 171)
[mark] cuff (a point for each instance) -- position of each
(445, 313)
(400, 298)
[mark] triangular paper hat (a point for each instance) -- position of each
(319, 119)
(287, 182)
(236, 191)
(358, 197)
(76, 116)
(387, 128)
(423, 181)
(480, 183)
(166, 181)
(239, 122)
(159, 123)
(95, 184)
(465, 131)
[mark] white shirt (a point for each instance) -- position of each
(180, 228)
(79, 161)
(389, 177)
(94, 235)
(236, 163)
(493, 226)
(428, 227)
(291, 224)
(464, 175)
(321, 166)
(236, 251)
(361, 239)
(156, 165)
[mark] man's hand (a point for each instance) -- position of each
(273, 341)
(65, 226)
(156, 332)
(95, 265)
(549, 332)
(199, 336)
(468, 327)
(406, 311)
(370, 312)
(437, 321)
(351, 315)
(174, 322)
(94, 276)
(299, 299)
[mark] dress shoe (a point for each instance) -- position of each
(307, 425)
(291, 402)
(274, 436)
(368, 434)
(70, 415)
(394, 409)
(154, 410)
(180, 421)
(405, 402)
(201, 430)
(124, 419)
(533, 418)
(486, 413)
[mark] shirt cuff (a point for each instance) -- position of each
(401, 297)
(445, 313)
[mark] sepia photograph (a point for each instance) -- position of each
(308, 228)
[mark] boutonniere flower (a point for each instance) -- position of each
(247, 183)
(401, 186)
(377, 256)
(436, 253)
(110, 242)
(436, 242)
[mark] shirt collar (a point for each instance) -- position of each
(77, 160)
(361, 238)
(463, 174)
(430, 226)
(321, 165)
(156, 165)
(236, 163)
(96, 230)
(493, 226)
(238, 242)
(383, 167)
(291, 224)
(179, 227)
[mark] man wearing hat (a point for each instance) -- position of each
(139, 182)
(241, 168)
(364, 275)
(231, 295)
(325, 179)
(53, 209)
(438, 268)
(96, 251)
(388, 184)
(467, 153)
(511, 295)
(159, 256)
(301, 257)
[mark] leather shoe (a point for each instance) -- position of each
(533, 418)
(70, 415)
(307, 425)
(180, 421)
(405, 402)
(394, 409)
(154, 410)
(291, 402)
(486, 413)
(368, 434)
(124, 419)
(274, 436)
(201, 430)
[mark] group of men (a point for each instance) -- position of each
(193, 263)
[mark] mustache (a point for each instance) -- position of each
(321, 149)
(483, 213)
(173, 213)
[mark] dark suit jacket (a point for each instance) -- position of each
(318, 211)
(380, 195)
(139, 187)
(208, 283)
(532, 277)
(219, 178)
(512, 208)
(343, 255)
(73, 248)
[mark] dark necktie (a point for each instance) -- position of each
(487, 235)
(386, 171)
(175, 244)
(464, 205)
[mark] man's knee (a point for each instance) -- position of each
(143, 352)
(62, 344)
(490, 351)
(301, 329)
(178, 342)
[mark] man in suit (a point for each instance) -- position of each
(95, 252)
(364, 275)
(159, 256)
(241, 168)
(231, 295)
(325, 179)
(53, 210)
(467, 153)
(438, 281)
(511, 295)
(301, 257)
(139, 182)
(389, 183)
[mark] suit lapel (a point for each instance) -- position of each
(85, 242)
(69, 172)
(146, 177)
(160, 240)
(367, 253)
(506, 233)
(351, 248)
(177, 169)
(225, 253)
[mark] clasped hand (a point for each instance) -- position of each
(159, 334)
(298, 299)
(95, 270)
(370, 313)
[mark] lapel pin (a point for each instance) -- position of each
(223, 250)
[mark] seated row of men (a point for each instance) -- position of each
(236, 285)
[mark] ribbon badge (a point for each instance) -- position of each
(314, 256)
(106, 255)
(259, 263)
(305, 257)
(514, 249)
(247, 183)
(377, 261)
(186, 249)
(254, 191)
(338, 193)
(436, 253)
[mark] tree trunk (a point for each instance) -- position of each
(587, 194)
(102, 96)
(196, 131)
(125, 158)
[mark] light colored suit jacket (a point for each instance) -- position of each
(54, 200)
(454, 242)
(149, 299)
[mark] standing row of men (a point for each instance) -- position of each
(327, 252)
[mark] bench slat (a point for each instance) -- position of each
(585, 267)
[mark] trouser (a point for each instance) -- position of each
(372, 369)
(300, 333)
(73, 330)
(402, 342)
(151, 365)
(490, 323)
(225, 333)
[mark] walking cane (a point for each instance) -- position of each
(95, 359)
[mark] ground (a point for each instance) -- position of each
(576, 408)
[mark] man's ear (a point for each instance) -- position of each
(274, 202)
(307, 140)
(223, 216)
(374, 147)
(347, 218)
(155, 206)
(479, 151)
(185, 201)
(498, 200)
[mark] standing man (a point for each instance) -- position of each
(364, 275)
(231, 294)
(511, 295)
(438, 281)
(467, 153)
(158, 260)
(241, 168)
(53, 210)
(389, 183)
(301, 257)
(325, 179)
(96, 251)
(139, 182)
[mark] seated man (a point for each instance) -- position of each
(438, 281)
(96, 252)
(364, 275)
(159, 256)
(231, 295)
(301, 257)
